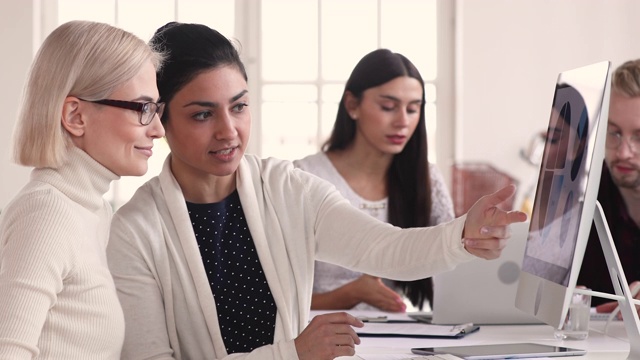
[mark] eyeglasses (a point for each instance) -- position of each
(146, 110)
(614, 140)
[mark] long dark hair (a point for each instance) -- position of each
(408, 184)
(190, 49)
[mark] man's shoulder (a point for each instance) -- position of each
(607, 187)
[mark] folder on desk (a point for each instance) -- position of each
(415, 330)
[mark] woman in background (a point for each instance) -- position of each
(88, 117)
(213, 258)
(377, 158)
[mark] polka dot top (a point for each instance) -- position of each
(245, 305)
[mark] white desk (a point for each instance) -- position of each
(613, 346)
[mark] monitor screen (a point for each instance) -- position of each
(566, 192)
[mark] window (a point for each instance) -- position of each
(306, 51)
(306, 59)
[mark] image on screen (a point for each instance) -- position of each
(561, 188)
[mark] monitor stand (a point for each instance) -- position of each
(625, 299)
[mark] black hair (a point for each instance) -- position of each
(408, 183)
(572, 105)
(190, 49)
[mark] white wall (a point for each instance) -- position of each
(16, 42)
(510, 54)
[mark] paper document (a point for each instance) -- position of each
(415, 329)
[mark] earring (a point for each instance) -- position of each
(353, 116)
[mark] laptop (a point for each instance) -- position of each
(483, 291)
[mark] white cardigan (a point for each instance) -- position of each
(294, 218)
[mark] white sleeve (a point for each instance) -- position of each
(35, 257)
(146, 335)
(347, 237)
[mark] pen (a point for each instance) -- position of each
(373, 318)
(383, 319)
(464, 328)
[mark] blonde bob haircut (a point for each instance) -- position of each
(85, 59)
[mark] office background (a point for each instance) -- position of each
(491, 65)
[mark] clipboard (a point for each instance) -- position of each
(415, 330)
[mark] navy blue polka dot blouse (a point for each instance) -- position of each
(245, 305)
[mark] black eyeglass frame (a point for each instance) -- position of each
(133, 105)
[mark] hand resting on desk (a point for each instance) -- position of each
(486, 228)
(365, 289)
(613, 305)
(328, 336)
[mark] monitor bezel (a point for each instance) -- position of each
(545, 299)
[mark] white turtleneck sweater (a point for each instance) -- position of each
(57, 297)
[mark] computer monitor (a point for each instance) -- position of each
(566, 192)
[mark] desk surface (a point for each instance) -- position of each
(612, 346)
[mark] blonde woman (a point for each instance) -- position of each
(90, 116)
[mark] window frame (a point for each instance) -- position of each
(248, 30)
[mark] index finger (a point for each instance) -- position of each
(499, 196)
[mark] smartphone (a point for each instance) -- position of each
(500, 351)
